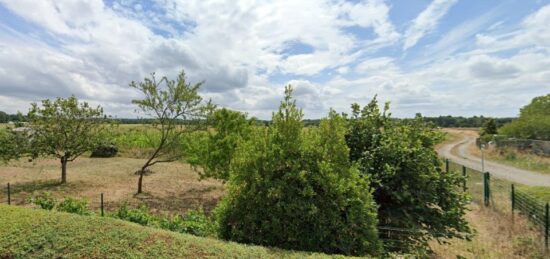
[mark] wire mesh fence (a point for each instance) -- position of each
(501, 195)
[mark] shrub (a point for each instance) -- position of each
(192, 222)
(409, 185)
(45, 201)
(105, 150)
(140, 215)
(533, 121)
(76, 206)
(296, 189)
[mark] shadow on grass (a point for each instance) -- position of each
(181, 202)
(35, 186)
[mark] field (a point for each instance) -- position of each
(513, 157)
(45, 234)
(172, 188)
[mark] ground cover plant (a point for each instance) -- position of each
(46, 234)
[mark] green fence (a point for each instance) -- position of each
(501, 195)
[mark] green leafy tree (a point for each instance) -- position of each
(533, 121)
(176, 109)
(65, 129)
(4, 117)
(489, 127)
(213, 150)
(296, 189)
(409, 186)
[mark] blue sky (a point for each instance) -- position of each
(457, 57)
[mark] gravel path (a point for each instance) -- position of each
(497, 170)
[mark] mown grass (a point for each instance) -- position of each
(28, 233)
(540, 192)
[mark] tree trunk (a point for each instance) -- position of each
(63, 170)
(140, 181)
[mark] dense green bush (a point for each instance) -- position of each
(44, 201)
(533, 121)
(296, 189)
(105, 150)
(192, 222)
(140, 215)
(405, 171)
(72, 205)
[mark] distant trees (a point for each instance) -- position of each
(4, 117)
(176, 109)
(65, 129)
(406, 177)
(533, 121)
(296, 189)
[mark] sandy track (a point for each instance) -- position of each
(510, 173)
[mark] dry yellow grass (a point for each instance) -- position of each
(173, 187)
(496, 236)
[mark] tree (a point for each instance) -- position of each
(489, 127)
(533, 121)
(213, 150)
(177, 109)
(4, 117)
(65, 129)
(296, 189)
(409, 186)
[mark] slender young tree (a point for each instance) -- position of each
(65, 129)
(177, 109)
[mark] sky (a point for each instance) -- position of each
(436, 57)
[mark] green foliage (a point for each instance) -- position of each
(489, 128)
(533, 121)
(4, 117)
(140, 215)
(72, 205)
(406, 176)
(296, 189)
(65, 129)
(27, 233)
(177, 109)
(45, 200)
(213, 150)
(193, 222)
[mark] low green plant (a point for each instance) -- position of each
(44, 201)
(140, 215)
(193, 222)
(73, 205)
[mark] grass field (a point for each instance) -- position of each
(29, 233)
(172, 188)
(515, 158)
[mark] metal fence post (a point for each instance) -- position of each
(486, 188)
(9, 194)
(102, 214)
(447, 165)
(464, 175)
(546, 228)
(513, 194)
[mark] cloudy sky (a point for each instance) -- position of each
(437, 57)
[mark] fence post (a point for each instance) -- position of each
(486, 188)
(446, 165)
(102, 214)
(513, 201)
(9, 194)
(464, 175)
(546, 228)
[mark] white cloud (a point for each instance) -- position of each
(426, 21)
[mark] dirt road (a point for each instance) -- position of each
(468, 137)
